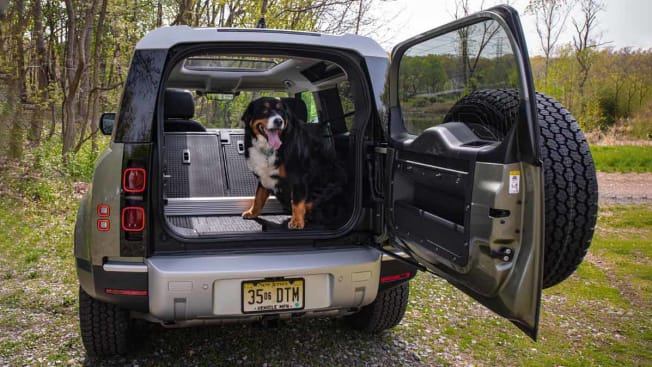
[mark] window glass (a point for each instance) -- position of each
(309, 99)
(346, 98)
(219, 111)
(436, 73)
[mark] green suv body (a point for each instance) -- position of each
(456, 166)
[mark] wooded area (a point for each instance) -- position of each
(63, 63)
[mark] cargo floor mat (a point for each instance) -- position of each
(212, 225)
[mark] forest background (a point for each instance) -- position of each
(63, 63)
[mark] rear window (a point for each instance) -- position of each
(223, 111)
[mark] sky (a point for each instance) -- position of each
(624, 23)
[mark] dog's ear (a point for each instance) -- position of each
(248, 114)
(287, 111)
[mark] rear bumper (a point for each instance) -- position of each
(209, 286)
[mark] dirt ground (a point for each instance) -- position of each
(625, 188)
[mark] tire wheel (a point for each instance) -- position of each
(571, 189)
(385, 312)
(105, 328)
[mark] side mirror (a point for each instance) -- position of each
(106, 122)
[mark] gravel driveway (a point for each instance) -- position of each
(625, 188)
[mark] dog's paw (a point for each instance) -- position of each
(296, 224)
(249, 214)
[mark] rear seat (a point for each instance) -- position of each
(201, 162)
(179, 111)
(240, 180)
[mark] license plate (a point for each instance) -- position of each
(272, 295)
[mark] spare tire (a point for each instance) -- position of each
(571, 188)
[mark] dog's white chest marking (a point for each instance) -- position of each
(261, 161)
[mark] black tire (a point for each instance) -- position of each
(490, 113)
(385, 312)
(105, 328)
(571, 188)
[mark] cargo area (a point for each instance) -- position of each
(206, 182)
(209, 186)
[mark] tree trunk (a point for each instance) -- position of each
(52, 69)
(97, 59)
(77, 59)
(17, 82)
(71, 82)
(36, 125)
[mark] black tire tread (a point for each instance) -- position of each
(571, 197)
(385, 312)
(571, 189)
(104, 327)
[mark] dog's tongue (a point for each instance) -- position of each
(273, 139)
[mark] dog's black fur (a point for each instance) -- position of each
(303, 169)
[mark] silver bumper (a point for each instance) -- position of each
(209, 286)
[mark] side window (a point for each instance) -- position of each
(436, 73)
(346, 98)
(309, 99)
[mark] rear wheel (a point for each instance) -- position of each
(105, 328)
(571, 190)
(385, 312)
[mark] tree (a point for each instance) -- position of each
(39, 59)
(16, 75)
(585, 39)
(551, 17)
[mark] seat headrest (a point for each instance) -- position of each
(297, 107)
(179, 104)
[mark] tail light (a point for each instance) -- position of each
(134, 199)
(133, 219)
(134, 180)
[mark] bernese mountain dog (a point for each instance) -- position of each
(290, 162)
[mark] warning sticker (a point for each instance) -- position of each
(514, 181)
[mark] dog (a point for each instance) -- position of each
(291, 162)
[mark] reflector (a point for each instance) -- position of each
(103, 210)
(125, 292)
(103, 225)
(392, 278)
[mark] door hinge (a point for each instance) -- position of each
(505, 254)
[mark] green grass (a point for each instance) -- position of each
(623, 158)
(601, 315)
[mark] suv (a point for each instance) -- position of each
(455, 165)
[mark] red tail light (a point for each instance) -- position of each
(133, 219)
(134, 179)
(393, 278)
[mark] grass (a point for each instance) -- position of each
(623, 158)
(601, 315)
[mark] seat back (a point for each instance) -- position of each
(179, 110)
